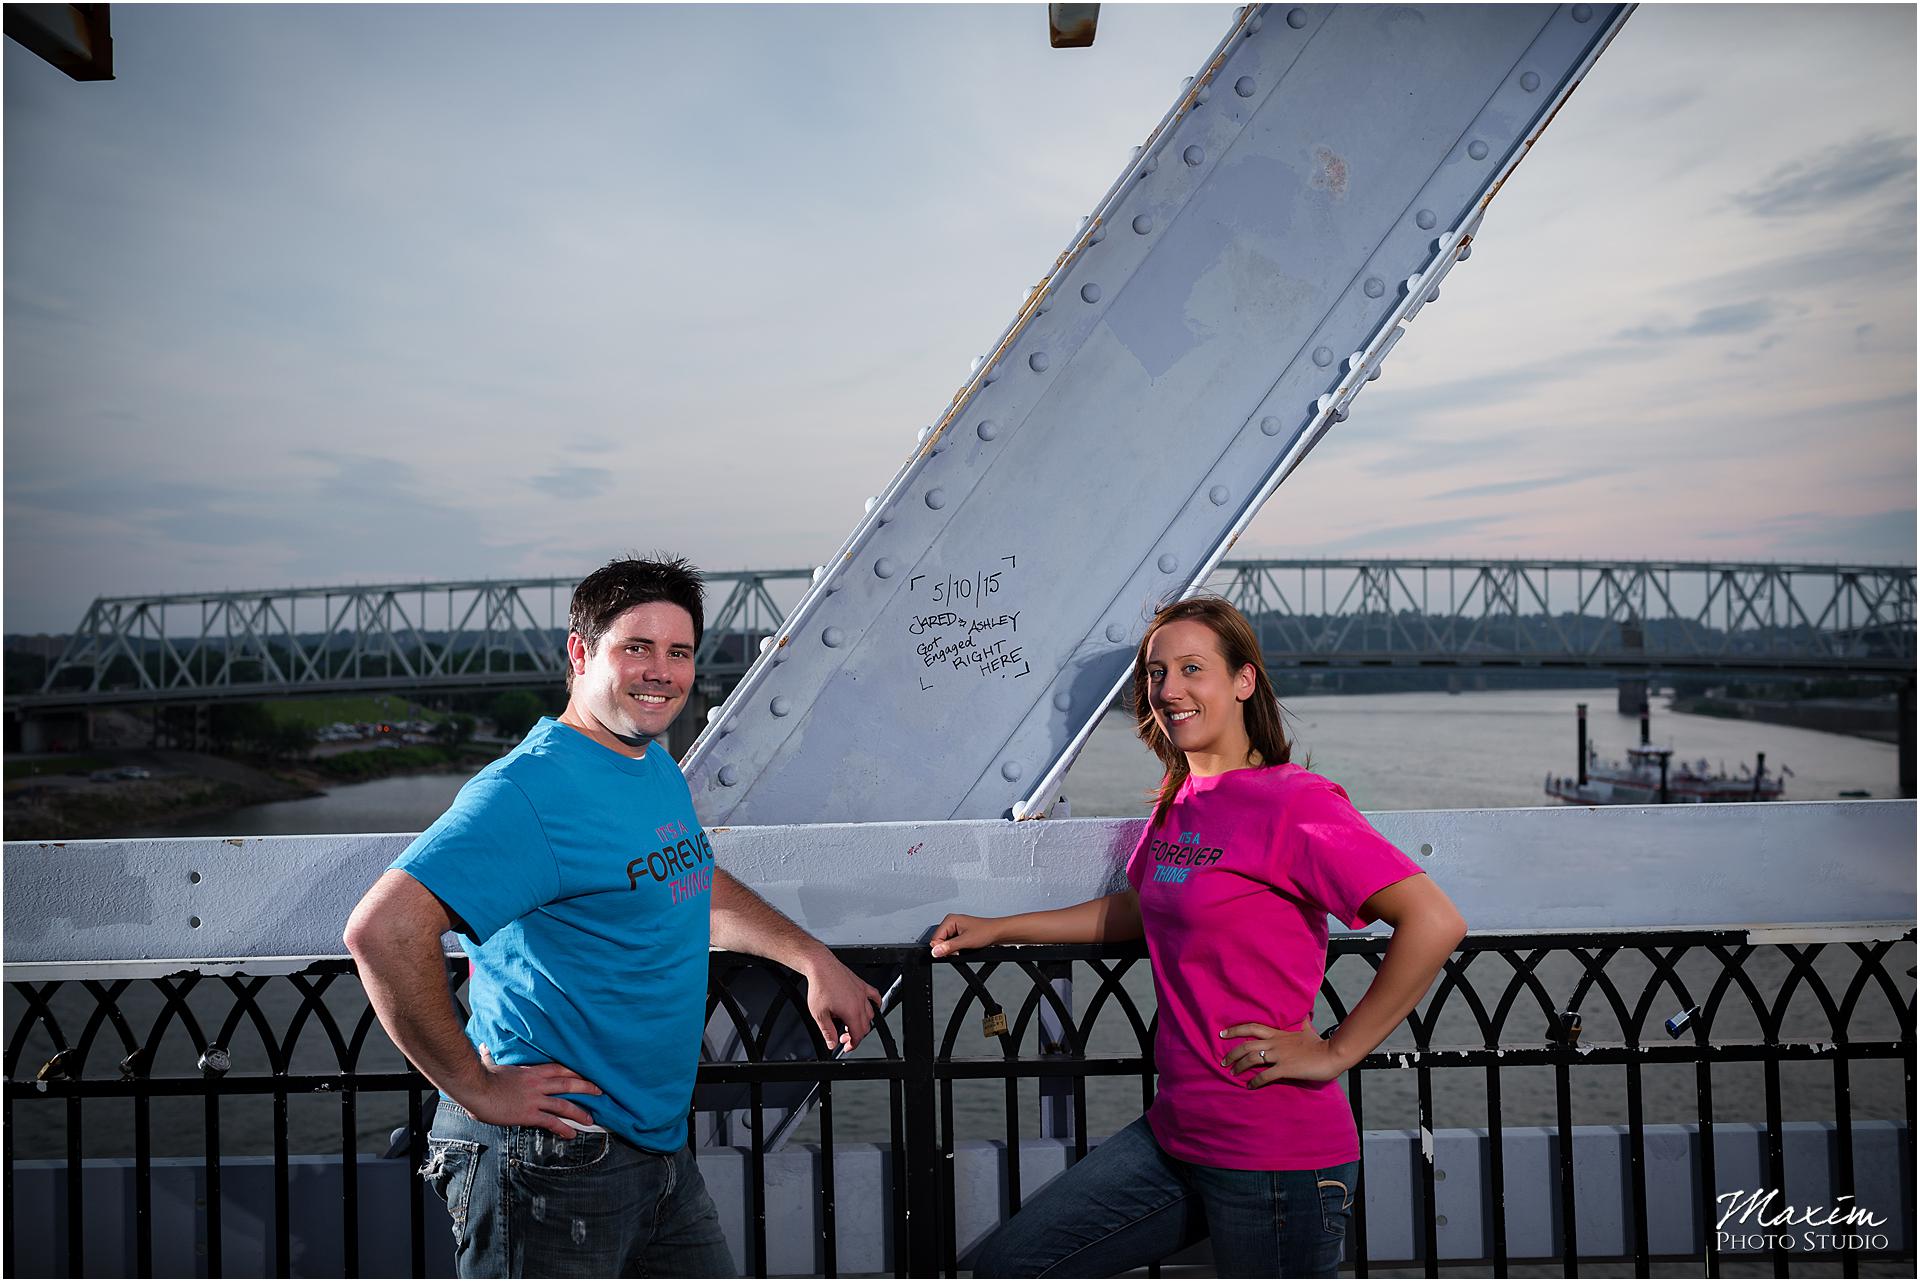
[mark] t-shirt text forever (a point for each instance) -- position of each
(1236, 882)
(586, 881)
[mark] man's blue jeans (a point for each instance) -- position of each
(1129, 1203)
(526, 1203)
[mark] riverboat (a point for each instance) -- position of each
(1650, 776)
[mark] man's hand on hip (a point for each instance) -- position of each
(530, 1095)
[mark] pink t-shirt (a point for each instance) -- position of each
(1236, 883)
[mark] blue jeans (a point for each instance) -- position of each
(1129, 1203)
(526, 1203)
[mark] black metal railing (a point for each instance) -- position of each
(237, 1075)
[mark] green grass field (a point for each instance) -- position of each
(348, 707)
(61, 765)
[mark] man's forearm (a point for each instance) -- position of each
(406, 980)
(745, 923)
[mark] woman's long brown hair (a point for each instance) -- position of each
(1239, 647)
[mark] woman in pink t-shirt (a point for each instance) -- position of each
(1250, 1140)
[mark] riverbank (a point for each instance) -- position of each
(48, 799)
(1875, 719)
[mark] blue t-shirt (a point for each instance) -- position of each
(585, 879)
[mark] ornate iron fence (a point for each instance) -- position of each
(1519, 1034)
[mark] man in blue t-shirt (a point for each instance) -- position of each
(586, 887)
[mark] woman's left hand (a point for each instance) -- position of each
(1274, 1054)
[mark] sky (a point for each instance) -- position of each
(316, 295)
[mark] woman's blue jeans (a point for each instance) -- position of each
(526, 1203)
(1129, 1203)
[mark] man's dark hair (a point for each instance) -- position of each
(623, 583)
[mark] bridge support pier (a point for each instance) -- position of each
(1903, 724)
(1633, 696)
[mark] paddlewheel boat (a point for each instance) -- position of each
(1650, 776)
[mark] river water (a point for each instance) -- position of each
(1391, 752)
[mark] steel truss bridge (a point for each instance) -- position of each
(1615, 616)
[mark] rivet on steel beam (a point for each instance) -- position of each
(987, 430)
(1142, 223)
(780, 706)
(728, 776)
(974, 368)
(1466, 252)
(1038, 362)
(1194, 155)
(1529, 81)
(1582, 12)
(1151, 164)
(1296, 18)
(1063, 701)
(1433, 295)
(1323, 356)
(873, 501)
(1355, 361)
(716, 712)
(1255, 22)
(1202, 94)
(1218, 495)
(1010, 770)
(1373, 373)
(1090, 293)
(884, 567)
(1168, 563)
(1477, 149)
(1270, 426)
(1099, 234)
(936, 499)
(832, 637)
(766, 644)
(215, 1060)
(820, 571)
(1425, 219)
(1678, 1023)
(1244, 86)
(1374, 287)
(1116, 633)
(993, 372)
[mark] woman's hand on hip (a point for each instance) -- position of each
(1274, 1054)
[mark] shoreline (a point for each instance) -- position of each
(189, 785)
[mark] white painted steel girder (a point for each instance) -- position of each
(1782, 871)
(1216, 314)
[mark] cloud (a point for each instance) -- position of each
(1870, 163)
(1528, 486)
(1728, 318)
(573, 482)
(1397, 535)
(1883, 537)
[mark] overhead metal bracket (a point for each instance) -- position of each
(1071, 26)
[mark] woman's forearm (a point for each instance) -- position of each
(1420, 945)
(1110, 917)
